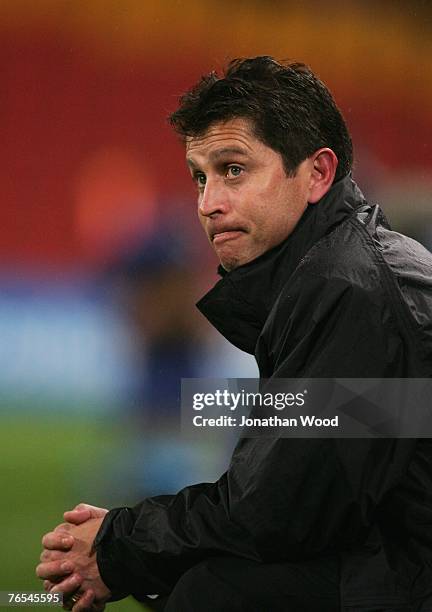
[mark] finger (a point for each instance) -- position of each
(77, 516)
(85, 602)
(83, 506)
(51, 555)
(54, 570)
(68, 586)
(82, 512)
(48, 585)
(57, 540)
(95, 511)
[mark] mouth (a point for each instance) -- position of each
(219, 237)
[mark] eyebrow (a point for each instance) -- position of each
(215, 155)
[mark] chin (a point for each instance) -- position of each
(231, 264)
(227, 266)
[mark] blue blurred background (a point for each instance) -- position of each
(101, 256)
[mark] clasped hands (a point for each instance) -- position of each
(68, 561)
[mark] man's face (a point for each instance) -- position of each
(246, 202)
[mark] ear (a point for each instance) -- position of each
(323, 165)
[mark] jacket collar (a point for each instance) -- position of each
(239, 304)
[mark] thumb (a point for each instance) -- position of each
(83, 512)
(76, 517)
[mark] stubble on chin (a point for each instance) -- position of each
(231, 263)
(228, 265)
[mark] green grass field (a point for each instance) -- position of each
(47, 466)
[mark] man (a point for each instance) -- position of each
(316, 285)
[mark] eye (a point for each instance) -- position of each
(234, 171)
(200, 179)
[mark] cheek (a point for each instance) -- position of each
(279, 214)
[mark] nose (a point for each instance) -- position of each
(213, 200)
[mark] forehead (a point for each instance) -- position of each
(233, 136)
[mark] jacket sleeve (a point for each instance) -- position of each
(280, 499)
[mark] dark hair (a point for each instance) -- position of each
(291, 110)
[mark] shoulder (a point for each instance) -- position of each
(409, 265)
(360, 283)
(344, 264)
(368, 255)
(347, 255)
(408, 260)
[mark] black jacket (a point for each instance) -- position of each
(343, 296)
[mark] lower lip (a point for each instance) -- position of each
(224, 236)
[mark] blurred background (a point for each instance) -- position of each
(101, 257)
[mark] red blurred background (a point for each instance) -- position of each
(87, 86)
